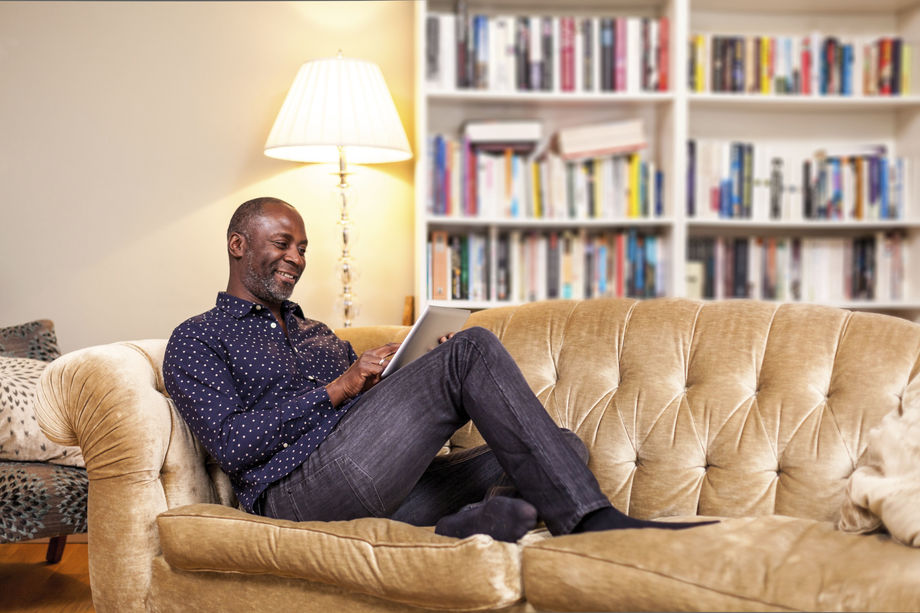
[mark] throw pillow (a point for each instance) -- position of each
(20, 437)
(35, 340)
(884, 490)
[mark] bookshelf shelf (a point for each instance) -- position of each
(794, 8)
(442, 221)
(801, 123)
(486, 96)
(475, 304)
(804, 225)
(799, 102)
(871, 305)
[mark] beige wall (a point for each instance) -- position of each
(129, 132)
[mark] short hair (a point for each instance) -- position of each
(246, 212)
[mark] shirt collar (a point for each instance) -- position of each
(239, 308)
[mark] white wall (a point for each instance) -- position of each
(130, 131)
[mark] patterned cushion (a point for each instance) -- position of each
(20, 437)
(39, 500)
(35, 340)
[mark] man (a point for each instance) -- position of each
(307, 430)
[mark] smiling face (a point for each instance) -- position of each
(267, 257)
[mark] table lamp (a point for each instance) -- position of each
(339, 110)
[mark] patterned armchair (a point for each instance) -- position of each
(43, 486)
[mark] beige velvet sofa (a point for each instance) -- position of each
(753, 412)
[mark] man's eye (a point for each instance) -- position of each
(302, 251)
(280, 244)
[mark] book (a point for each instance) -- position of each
(503, 131)
(602, 139)
(440, 266)
(432, 48)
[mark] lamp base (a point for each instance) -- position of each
(346, 269)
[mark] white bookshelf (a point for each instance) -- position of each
(674, 116)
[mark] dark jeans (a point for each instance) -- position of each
(380, 460)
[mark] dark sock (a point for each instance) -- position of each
(608, 518)
(502, 518)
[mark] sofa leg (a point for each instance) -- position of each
(56, 549)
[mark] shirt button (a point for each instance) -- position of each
(285, 445)
(311, 378)
(258, 307)
(274, 325)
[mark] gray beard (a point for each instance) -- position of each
(264, 288)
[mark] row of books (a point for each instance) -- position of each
(546, 53)
(798, 269)
(743, 180)
(522, 266)
(466, 182)
(505, 169)
(816, 64)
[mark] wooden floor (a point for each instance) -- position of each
(28, 583)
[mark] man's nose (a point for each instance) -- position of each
(295, 257)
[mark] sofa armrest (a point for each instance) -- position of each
(363, 338)
(140, 458)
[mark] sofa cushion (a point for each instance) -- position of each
(751, 564)
(377, 557)
(884, 490)
(38, 499)
(35, 339)
(21, 439)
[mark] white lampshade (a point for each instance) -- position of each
(338, 102)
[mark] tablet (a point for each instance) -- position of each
(435, 322)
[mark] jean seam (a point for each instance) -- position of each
(268, 507)
(375, 510)
(537, 449)
(292, 502)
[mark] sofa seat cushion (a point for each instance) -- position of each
(378, 557)
(768, 563)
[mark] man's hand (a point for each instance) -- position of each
(362, 375)
(446, 337)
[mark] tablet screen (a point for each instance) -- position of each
(435, 322)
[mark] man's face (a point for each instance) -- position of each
(274, 256)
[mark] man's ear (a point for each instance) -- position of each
(236, 245)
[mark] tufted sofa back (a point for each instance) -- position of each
(732, 408)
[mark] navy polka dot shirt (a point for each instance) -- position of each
(255, 398)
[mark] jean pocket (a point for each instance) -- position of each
(337, 491)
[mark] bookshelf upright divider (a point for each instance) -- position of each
(836, 149)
